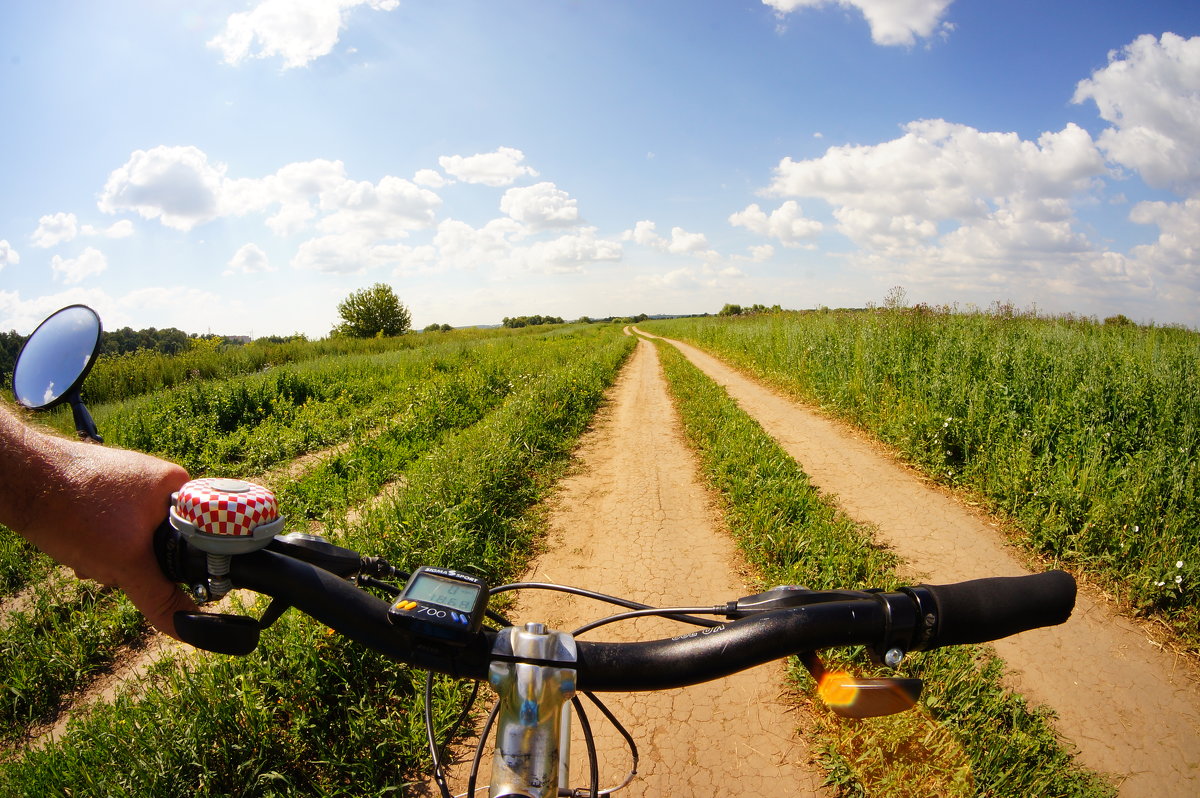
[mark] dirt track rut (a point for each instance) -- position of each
(1131, 708)
(633, 520)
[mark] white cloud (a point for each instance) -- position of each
(8, 255)
(461, 246)
(385, 210)
(504, 247)
(299, 31)
(892, 21)
(355, 253)
(176, 185)
(339, 254)
(1173, 257)
(642, 233)
(761, 253)
(55, 229)
(59, 228)
(1150, 92)
(893, 196)
(499, 168)
(23, 315)
(540, 206)
(692, 278)
(430, 178)
(408, 260)
(120, 229)
(249, 259)
(181, 188)
(681, 241)
(567, 253)
(941, 170)
(73, 270)
(959, 208)
(786, 223)
(293, 187)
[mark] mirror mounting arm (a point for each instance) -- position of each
(84, 425)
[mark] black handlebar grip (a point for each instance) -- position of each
(989, 609)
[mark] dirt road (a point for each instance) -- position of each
(634, 520)
(1131, 708)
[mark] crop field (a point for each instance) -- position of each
(475, 427)
(437, 450)
(1086, 436)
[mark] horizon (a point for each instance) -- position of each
(244, 165)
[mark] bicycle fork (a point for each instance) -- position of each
(533, 722)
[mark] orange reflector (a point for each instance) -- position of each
(836, 689)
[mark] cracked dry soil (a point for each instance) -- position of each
(1131, 707)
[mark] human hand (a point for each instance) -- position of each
(94, 509)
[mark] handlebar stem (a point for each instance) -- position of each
(531, 723)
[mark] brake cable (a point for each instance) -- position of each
(439, 776)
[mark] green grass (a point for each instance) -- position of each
(309, 713)
(423, 397)
(69, 634)
(1085, 435)
(971, 735)
(20, 563)
(120, 377)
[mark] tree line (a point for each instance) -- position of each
(531, 321)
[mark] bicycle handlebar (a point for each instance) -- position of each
(989, 609)
(912, 619)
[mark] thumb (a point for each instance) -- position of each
(159, 600)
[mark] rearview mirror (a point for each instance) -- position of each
(55, 360)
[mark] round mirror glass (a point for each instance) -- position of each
(57, 356)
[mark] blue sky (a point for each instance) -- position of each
(242, 166)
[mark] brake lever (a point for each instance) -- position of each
(224, 633)
(785, 597)
(218, 632)
(316, 550)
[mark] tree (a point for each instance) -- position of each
(374, 311)
(10, 345)
(531, 321)
(1119, 320)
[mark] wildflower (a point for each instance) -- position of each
(1179, 564)
(1159, 584)
(1135, 527)
(1178, 579)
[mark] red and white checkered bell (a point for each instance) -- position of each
(225, 516)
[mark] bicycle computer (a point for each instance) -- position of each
(440, 605)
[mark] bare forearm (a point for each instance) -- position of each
(30, 464)
(93, 508)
